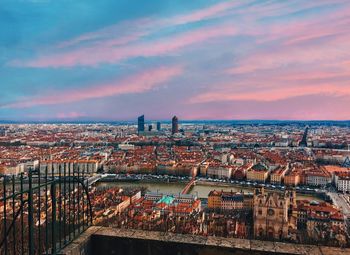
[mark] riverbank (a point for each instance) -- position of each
(201, 188)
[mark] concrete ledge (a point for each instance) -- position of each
(81, 245)
(221, 245)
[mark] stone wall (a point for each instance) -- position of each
(101, 240)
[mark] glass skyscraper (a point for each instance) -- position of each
(141, 124)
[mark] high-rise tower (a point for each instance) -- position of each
(174, 125)
(141, 124)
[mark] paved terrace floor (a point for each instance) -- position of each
(98, 240)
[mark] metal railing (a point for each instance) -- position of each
(42, 212)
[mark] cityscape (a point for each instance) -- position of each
(206, 127)
(264, 180)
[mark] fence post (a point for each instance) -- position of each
(53, 201)
(30, 215)
(5, 212)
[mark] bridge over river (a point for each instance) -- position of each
(188, 186)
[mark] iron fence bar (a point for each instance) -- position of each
(64, 205)
(86, 188)
(53, 217)
(78, 209)
(27, 190)
(69, 205)
(87, 185)
(87, 215)
(77, 186)
(5, 220)
(3, 242)
(30, 216)
(39, 213)
(53, 220)
(22, 220)
(83, 201)
(74, 202)
(13, 216)
(60, 207)
(46, 214)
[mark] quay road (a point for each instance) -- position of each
(91, 180)
(199, 180)
(190, 181)
(342, 201)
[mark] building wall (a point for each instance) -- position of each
(292, 180)
(229, 204)
(56, 167)
(271, 218)
(342, 184)
(214, 202)
(219, 172)
(316, 180)
(276, 178)
(259, 176)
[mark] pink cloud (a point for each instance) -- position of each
(214, 11)
(106, 54)
(321, 41)
(281, 84)
(95, 47)
(138, 83)
(111, 34)
(266, 9)
(318, 75)
(272, 92)
(138, 28)
(315, 107)
(333, 29)
(282, 56)
(106, 46)
(69, 115)
(333, 25)
(317, 40)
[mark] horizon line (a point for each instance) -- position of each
(4, 121)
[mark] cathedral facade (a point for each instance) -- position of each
(273, 214)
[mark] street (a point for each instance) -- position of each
(341, 201)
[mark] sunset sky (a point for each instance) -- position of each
(200, 59)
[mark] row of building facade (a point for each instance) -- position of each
(280, 216)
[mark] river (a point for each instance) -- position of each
(202, 190)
